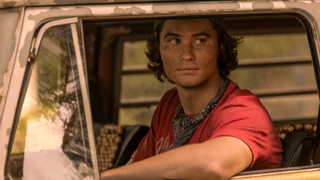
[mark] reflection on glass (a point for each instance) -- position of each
(51, 141)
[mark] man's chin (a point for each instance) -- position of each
(188, 85)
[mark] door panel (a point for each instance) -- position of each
(54, 137)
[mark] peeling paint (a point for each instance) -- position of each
(22, 3)
(308, 2)
(246, 5)
(8, 131)
(263, 5)
(67, 8)
(147, 8)
(8, 30)
(129, 10)
(4, 86)
(8, 4)
(29, 27)
(101, 11)
(5, 82)
(278, 4)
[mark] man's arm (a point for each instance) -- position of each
(218, 158)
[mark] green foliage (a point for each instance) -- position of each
(51, 76)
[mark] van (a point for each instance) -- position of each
(76, 97)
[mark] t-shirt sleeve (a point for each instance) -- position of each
(251, 124)
(146, 147)
(160, 121)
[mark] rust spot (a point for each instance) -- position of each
(32, 58)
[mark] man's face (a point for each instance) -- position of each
(189, 51)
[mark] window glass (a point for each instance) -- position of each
(133, 53)
(136, 115)
(138, 87)
(142, 86)
(275, 78)
(279, 78)
(51, 141)
(274, 46)
(291, 108)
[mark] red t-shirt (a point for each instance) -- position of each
(238, 114)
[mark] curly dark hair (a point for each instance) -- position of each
(227, 52)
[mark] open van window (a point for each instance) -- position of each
(273, 63)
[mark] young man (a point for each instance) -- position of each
(205, 127)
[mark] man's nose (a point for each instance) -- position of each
(187, 53)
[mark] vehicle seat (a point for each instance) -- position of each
(132, 137)
(297, 147)
(116, 144)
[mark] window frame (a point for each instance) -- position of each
(119, 72)
(77, 38)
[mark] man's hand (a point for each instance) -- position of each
(218, 158)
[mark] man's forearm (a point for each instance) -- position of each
(164, 166)
(175, 164)
(197, 161)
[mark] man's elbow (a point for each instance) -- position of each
(217, 171)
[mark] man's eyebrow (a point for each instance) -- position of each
(201, 34)
(178, 35)
(171, 34)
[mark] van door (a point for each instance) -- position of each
(52, 136)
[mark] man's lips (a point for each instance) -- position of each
(188, 70)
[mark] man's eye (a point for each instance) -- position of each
(200, 41)
(174, 41)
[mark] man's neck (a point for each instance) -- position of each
(194, 100)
